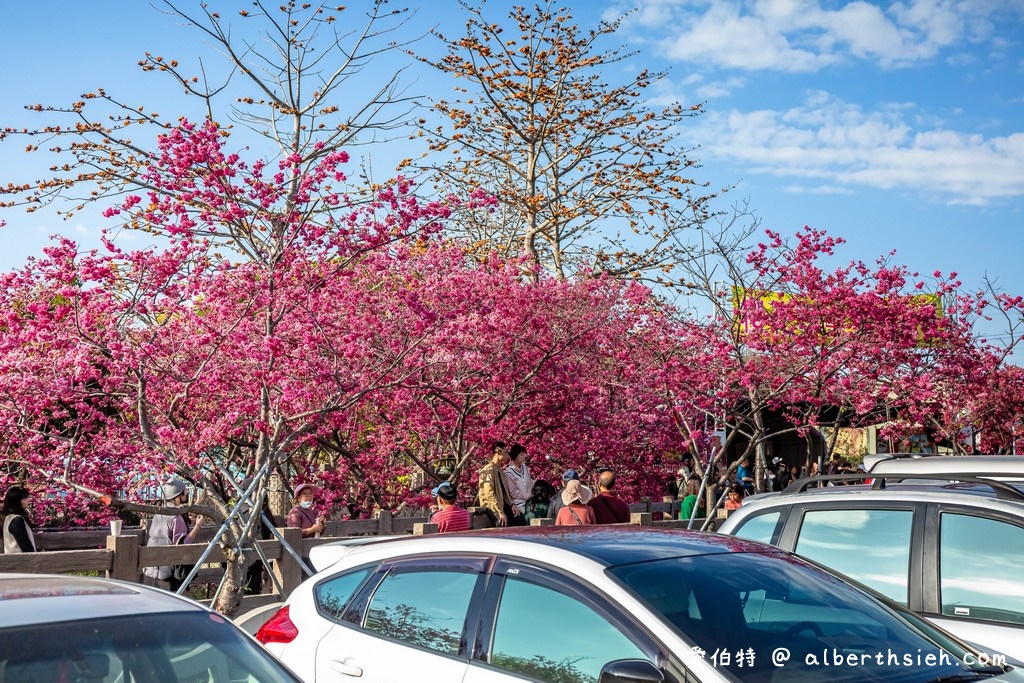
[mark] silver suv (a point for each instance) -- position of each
(950, 546)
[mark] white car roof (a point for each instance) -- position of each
(967, 494)
(1002, 466)
(603, 545)
(29, 599)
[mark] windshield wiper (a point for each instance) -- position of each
(972, 675)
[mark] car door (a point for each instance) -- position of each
(972, 586)
(539, 625)
(874, 542)
(409, 620)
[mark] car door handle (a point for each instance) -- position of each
(346, 667)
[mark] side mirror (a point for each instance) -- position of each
(631, 671)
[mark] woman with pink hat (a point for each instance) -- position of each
(303, 515)
(575, 496)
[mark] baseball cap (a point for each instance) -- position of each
(570, 474)
(444, 490)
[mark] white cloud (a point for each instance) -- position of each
(844, 146)
(819, 189)
(800, 36)
(724, 88)
(726, 37)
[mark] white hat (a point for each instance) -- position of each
(173, 489)
(574, 491)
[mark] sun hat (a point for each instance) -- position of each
(302, 487)
(574, 491)
(173, 488)
(570, 474)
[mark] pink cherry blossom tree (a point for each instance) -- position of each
(182, 355)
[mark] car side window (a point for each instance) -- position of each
(871, 546)
(423, 607)
(760, 527)
(546, 635)
(333, 595)
(979, 568)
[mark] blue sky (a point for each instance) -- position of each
(893, 125)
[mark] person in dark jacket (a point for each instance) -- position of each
(539, 503)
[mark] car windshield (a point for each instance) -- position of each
(766, 617)
(157, 648)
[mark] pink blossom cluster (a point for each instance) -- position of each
(353, 346)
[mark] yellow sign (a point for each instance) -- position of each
(771, 300)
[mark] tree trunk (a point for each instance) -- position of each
(232, 587)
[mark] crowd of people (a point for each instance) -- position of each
(506, 490)
(512, 497)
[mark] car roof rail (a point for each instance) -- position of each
(1003, 490)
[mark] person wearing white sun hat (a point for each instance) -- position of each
(575, 497)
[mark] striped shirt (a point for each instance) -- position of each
(451, 518)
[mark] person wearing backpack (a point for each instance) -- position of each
(170, 530)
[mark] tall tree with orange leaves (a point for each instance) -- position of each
(590, 179)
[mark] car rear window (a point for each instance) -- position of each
(19, 589)
(168, 647)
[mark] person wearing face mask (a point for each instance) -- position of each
(303, 516)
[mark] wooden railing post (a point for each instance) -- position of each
(641, 518)
(384, 523)
(286, 568)
(124, 564)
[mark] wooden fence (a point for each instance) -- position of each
(124, 557)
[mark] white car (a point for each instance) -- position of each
(949, 546)
(601, 604)
(78, 629)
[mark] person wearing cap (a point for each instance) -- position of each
(556, 498)
(449, 516)
(303, 516)
(493, 489)
(517, 477)
(608, 508)
(170, 530)
(575, 510)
